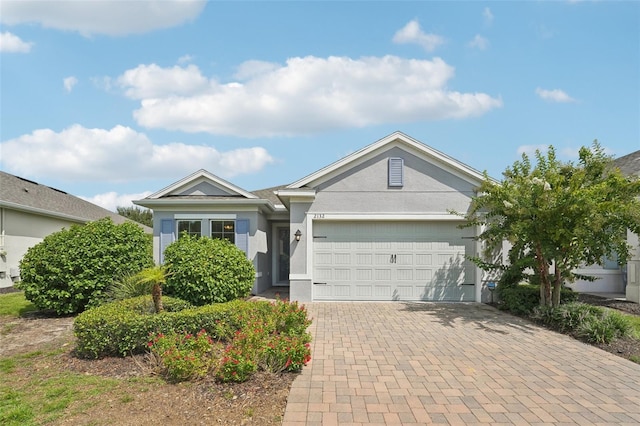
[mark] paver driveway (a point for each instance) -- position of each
(424, 363)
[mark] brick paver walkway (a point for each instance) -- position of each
(412, 363)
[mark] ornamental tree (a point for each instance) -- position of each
(557, 216)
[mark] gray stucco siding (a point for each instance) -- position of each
(364, 189)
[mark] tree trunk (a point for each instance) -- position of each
(545, 285)
(557, 287)
(156, 293)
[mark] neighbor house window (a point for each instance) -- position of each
(611, 262)
(224, 230)
(191, 227)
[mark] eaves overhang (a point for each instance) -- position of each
(296, 195)
(43, 212)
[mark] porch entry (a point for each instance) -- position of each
(283, 253)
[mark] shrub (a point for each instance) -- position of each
(70, 269)
(610, 325)
(183, 356)
(127, 286)
(205, 270)
(123, 327)
(566, 317)
(592, 323)
(522, 299)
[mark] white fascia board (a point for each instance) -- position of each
(43, 212)
(296, 195)
(178, 203)
(202, 175)
(319, 216)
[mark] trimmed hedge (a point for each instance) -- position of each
(524, 298)
(203, 270)
(123, 327)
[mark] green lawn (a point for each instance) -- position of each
(14, 304)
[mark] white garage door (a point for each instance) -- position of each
(392, 261)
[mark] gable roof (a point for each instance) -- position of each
(194, 178)
(629, 164)
(407, 143)
(25, 195)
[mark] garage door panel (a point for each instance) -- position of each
(364, 291)
(392, 261)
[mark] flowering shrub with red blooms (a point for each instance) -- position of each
(284, 353)
(269, 336)
(235, 365)
(183, 356)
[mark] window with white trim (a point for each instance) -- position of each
(191, 227)
(224, 230)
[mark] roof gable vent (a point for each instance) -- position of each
(396, 172)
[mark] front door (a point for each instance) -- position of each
(282, 274)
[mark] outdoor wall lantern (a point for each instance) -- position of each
(298, 234)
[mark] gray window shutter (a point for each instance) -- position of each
(396, 177)
(167, 236)
(242, 235)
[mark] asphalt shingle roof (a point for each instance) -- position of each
(32, 195)
(629, 164)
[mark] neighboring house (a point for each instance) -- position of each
(375, 225)
(630, 165)
(29, 212)
(611, 277)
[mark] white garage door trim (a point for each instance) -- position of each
(392, 260)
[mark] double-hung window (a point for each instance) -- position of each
(191, 227)
(224, 230)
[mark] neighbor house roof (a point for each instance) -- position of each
(25, 195)
(629, 164)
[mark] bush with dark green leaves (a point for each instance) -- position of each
(205, 270)
(70, 270)
(523, 298)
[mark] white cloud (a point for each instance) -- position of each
(479, 42)
(487, 16)
(119, 155)
(11, 43)
(88, 17)
(152, 81)
(307, 95)
(113, 200)
(69, 83)
(555, 95)
(185, 59)
(412, 33)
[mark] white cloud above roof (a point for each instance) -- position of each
(94, 154)
(112, 200)
(11, 43)
(305, 96)
(412, 33)
(555, 95)
(89, 17)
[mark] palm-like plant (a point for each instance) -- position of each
(156, 276)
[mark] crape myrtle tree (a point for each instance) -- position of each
(557, 217)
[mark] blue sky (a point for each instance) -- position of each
(112, 100)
